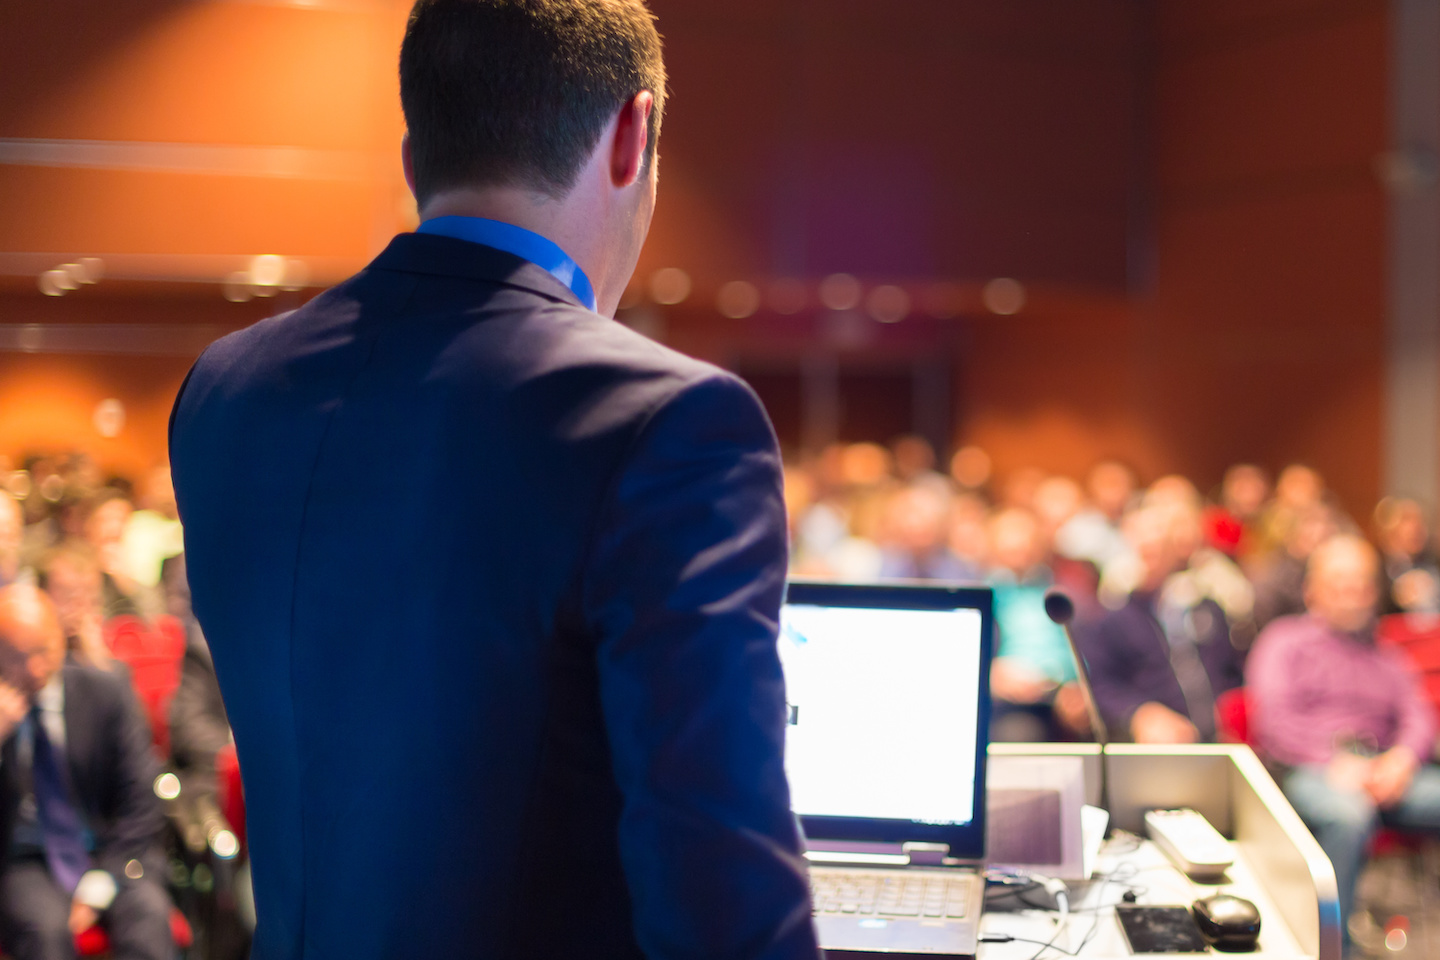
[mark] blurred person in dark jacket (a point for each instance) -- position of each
(1159, 660)
(78, 815)
(199, 728)
(1279, 578)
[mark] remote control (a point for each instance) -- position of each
(1190, 842)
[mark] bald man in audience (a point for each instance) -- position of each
(1344, 722)
(79, 818)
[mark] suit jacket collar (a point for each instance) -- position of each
(443, 256)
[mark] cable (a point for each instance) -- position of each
(1010, 938)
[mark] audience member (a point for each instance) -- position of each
(1057, 501)
(914, 459)
(968, 536)
(1094, 534)
(152, 534)
(72, 578)
(1208, 572)
(1297, 489)
(1344, 721)
(915, 527)
(1280, 577)
(105, 516)
(78, 817)
(1408, 567)
(1033, 661)
(1158, 662)
(12, 533)
(1230, 524)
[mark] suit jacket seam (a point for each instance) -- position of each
(371, 340)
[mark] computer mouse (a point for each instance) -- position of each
(1227, 922)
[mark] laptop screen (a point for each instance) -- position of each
(887, 690)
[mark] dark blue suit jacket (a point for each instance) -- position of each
(491, 584)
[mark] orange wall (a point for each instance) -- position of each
(311, 87)
(47, 400)
(1261, 335)
(1264, 336)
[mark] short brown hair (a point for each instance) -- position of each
(517, 92)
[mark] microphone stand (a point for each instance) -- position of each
(1061, 609)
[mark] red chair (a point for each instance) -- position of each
(95, 942)
(1417, 635)
(1232, 716)
(153, 652)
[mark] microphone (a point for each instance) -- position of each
(1061, 609)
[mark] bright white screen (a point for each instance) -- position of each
(883, 712)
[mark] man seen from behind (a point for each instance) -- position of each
(533, 708)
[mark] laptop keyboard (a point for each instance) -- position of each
(889, 893)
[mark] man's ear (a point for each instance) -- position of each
(407, 160)
(632, 134)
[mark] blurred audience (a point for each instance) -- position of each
(914, 533)
(12, 532)
(1297, 490)
(1230, 524)
(1169, 590)
(1033, 664)
(1279, 577)
(152, 534)
(1344, 721)
(71, 576)
(1094, 532)
(1409, 571)
(1158, 661)
(80, 822)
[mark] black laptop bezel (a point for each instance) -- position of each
(966, 841)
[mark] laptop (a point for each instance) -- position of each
(888, 692)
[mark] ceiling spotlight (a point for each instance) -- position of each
(738, 300)
(670, 286)
(1004, 296)
(55, 283)
(267, 270)
(888, 304)
(840, 291)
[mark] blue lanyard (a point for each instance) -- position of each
(522, 243)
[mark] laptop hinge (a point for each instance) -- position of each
(926, 854)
